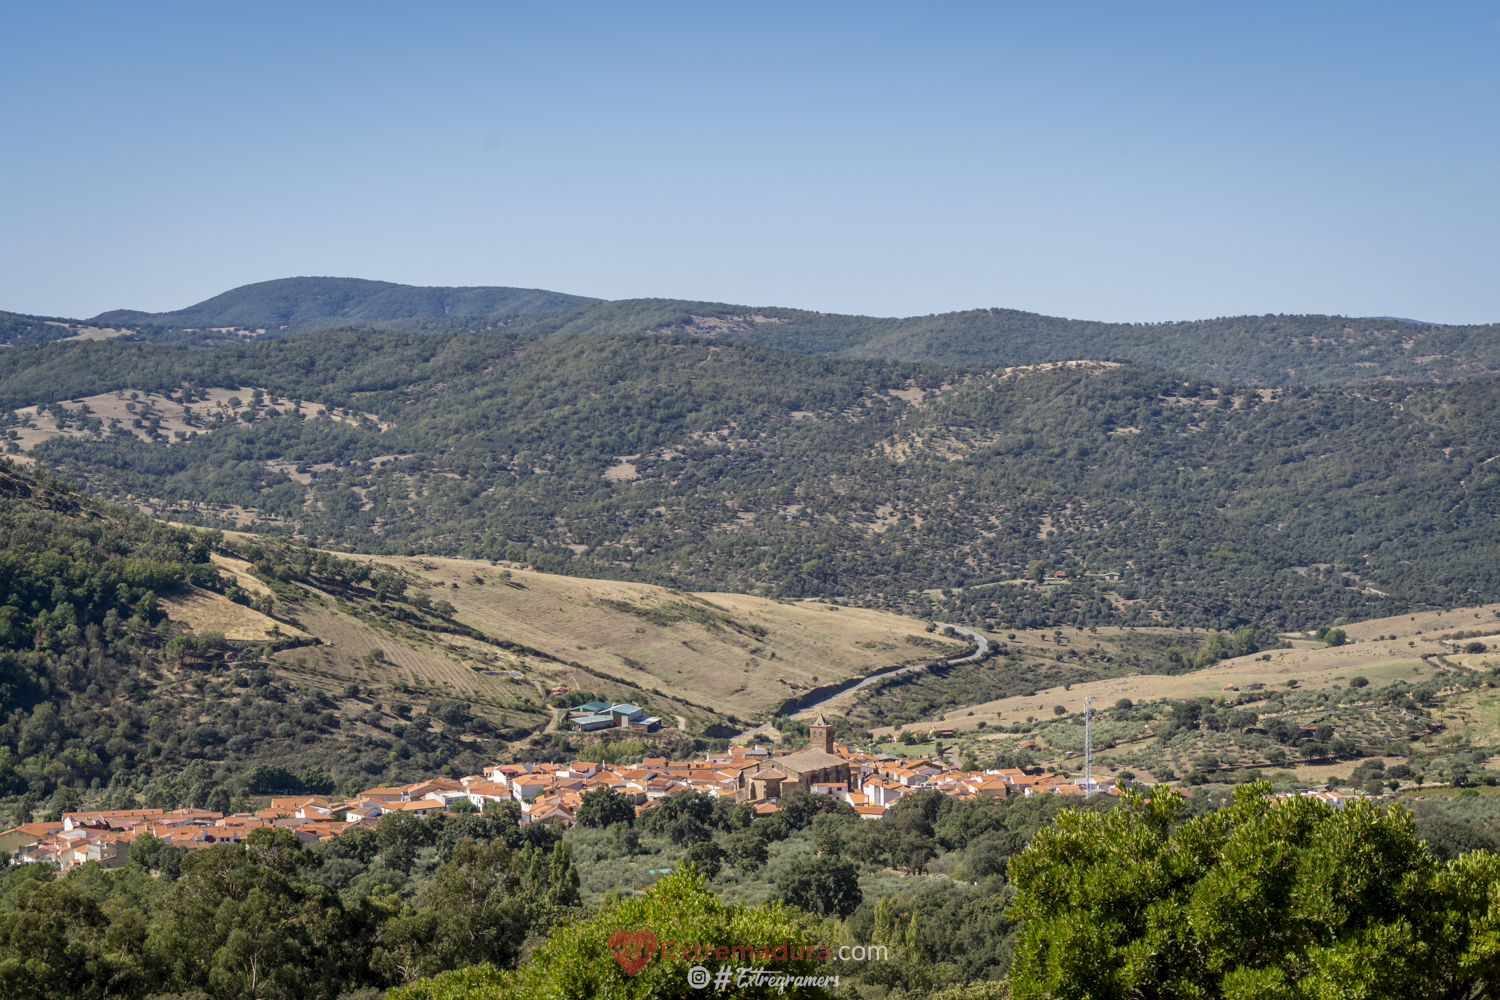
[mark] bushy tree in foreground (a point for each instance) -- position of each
(605, 806)
(826, 886)
(578, 960)
(1265, 898)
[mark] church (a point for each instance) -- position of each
(770, 779)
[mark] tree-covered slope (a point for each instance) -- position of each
(714, 465)
(18, 329)
(298, 302)
(103, 689)
(1261, 350)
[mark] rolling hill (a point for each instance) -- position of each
(296, 304)
(146, 655)
(138, 656)
(144, 664)
(705, 464)
(1268, 350)
(1259, 350)
(149, 660)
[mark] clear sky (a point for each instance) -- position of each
(1096, 160)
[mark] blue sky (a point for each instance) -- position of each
(1107, 161)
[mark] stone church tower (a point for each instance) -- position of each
(821, 735)
(805, 769)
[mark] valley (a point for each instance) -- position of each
(713, 660)
(341, 565)
(964, 502)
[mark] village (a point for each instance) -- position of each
(870, 783)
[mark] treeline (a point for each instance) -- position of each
(18, 329)
(1265, 350)
(1269, 350)
(371, 909)
(994, 920)
(818, 855)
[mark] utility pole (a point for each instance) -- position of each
(1088, 747)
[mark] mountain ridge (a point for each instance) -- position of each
(308, 299)
(1267, 350)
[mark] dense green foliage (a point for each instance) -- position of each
(18, 329)
(579, 959)
(815, 855)
(415, 897)
(267, 918)
(786, 475)
(1263, 898)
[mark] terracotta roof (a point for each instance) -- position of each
(810, 760)
(39, 829)
(487, 788)
(415, 805)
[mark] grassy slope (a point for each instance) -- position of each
(708, 657)
(738, 655)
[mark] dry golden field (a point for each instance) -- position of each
(728, 653)
(206, 611)
(698, 659)
(1312, 664)
(704, 658)
(1413, 648)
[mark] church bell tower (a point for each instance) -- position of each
(821, 734)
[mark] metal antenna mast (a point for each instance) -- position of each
(1088, 747)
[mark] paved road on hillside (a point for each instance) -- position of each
(982, 649)
(982, 645)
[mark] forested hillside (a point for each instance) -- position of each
(1267, 350)
(1272, 350)
(1261, 350)
(18, 329)
(716, 465)
(298, 303)
(107, 696)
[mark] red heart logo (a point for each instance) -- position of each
(632, 949)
